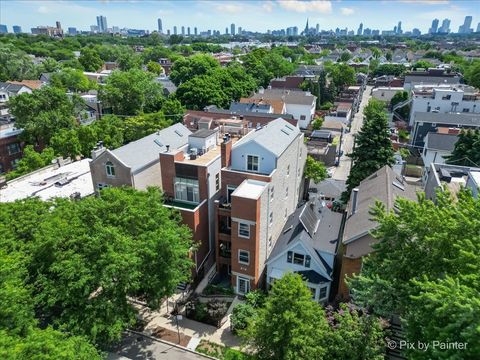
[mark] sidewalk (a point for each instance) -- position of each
(194, 329)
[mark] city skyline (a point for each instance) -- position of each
(250, 16)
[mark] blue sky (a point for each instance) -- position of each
(251, 15)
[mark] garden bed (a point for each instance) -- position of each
(170, 336)
(211, 312)
(221, 352)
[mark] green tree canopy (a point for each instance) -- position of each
(342, 75)
(467, 149)
(90, 59)
(44, 112)
(472, 74)
(290, 325)
(426, 269)
(77, 253)
(185, 69)
(373, 148)
(142, 125)
(72, 80)
(131, 92)
(15, 64)
(31, 161)
(173, 110)
(389, 69)
(315, 170)
(154, 67)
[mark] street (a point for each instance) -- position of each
(343, 168)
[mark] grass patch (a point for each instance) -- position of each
(221, 352)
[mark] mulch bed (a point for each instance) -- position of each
(170, 336)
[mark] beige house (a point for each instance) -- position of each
(385, 186)
(136, 164)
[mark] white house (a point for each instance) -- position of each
(444, 99)
(300, 104)
(308, 245)
(342, 112)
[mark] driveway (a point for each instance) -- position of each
(343, 169)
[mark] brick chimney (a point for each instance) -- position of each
(226, 151)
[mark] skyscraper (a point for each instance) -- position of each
(465, 28)
(160, 27)
(317, 28)
(183, 30)
(360, 29)
(226, 30)
(478, 27)
(445, 28)
(434, 28)
(102, 23)
(3, 29)
(305, 32)
(232, 29)
(239, 30)
(72, 31)
(195, 31)
(17, 29)
(188, 31)
(416, 32)
(399, 28)
(175, 30)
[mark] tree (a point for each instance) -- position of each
(422, 64)
(425, 268)
(389, 69)
(72, 79)
(77, 253)
(199, 92)
(472, 74)
(155, 68)
(290, 325)
(43, 113)
(467, 149)
(131, 92)
(31, 161)
(401, 96)
(129, 60)
(15, 64)
(90, 59)
(140, 126)
(373, 148)
(342, 75)
(354, 334)
(345, 56)
(317, 123)
(185, 69)
(173, 110)
(315, 170)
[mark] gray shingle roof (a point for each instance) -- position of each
(11, 88)
(144, 151)
(249, 107)
(330, 187)
(288, 96)
(468, 119)
(203, 133)
(325, 239)
(446, 142)
(276, 136)
(385, 186)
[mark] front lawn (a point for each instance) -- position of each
(221, 352)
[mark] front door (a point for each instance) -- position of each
(243, 285)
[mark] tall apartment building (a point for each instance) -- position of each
(261, 179)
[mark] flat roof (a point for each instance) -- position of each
(203, 133)
(250, 189)
(51, 182)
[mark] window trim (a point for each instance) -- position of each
(258, 163)
(320, 292)
(240, 261)
(108, 169)
(239, 234)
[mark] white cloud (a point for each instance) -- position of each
(43, 10)
(319, 6)
(229, 8)
(347, 11)
(268, 6)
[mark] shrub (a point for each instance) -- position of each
(241, 315)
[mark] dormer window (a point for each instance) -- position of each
(252, 163)
(110, 169)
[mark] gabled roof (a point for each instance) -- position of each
(288, 96)
(11, 88)
(325, 239)
(32, 84)
(144, 151)
(383, 185)
(276, 136)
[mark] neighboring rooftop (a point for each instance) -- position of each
(50, 182)
(203, 133)
(251, 189)
(250, 107)
(468, 119)
(442, 142)
(288, 96)
(276, 136)
(147, 149)
(383, 185)
(32, 84)
(330, 188)
(9, 130)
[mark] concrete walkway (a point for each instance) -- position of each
(343, 169)
(194, 329)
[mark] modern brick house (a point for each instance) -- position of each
(384, 185)
(10, 147)
(261, 179)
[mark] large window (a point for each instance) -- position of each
(243, 230)
(323, 293)
(298, 259)
(110, 169)
(186, 190)
(252, 163)
(13, 148)
(243, 257)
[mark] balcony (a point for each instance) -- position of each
(224, 250)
